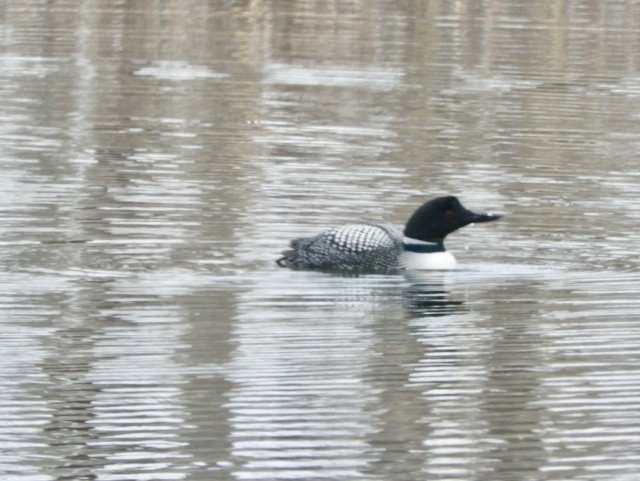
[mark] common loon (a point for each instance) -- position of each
(386, 247)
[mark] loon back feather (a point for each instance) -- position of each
(370, 247)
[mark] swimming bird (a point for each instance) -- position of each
(387, 247)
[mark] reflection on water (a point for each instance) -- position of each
(156, 158)
(428, 295)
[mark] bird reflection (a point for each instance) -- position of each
(428, 296)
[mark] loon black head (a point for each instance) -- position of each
(439, 217)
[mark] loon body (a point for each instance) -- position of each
(386, 247)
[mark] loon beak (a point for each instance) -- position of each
(479, 217)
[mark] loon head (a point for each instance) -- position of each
(439, 217)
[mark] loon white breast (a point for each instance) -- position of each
(421, 255)
(387, 247)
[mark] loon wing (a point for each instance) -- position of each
(350, 247)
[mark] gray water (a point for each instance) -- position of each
(157, 156)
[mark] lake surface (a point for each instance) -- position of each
(157, 157)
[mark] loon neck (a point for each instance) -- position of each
(422, 247)
(422, 255)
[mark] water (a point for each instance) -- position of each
(156, 158)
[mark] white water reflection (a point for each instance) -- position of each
(369, 77)
(178, 71)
